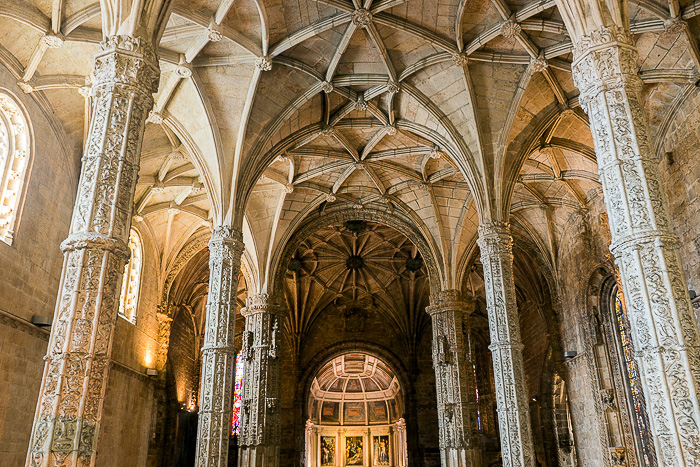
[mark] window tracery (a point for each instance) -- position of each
(14, 152)
(634, 384)
(131, 281)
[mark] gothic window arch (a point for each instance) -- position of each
(131, 282)
(15, 144)
(632, 381)
(238, 394)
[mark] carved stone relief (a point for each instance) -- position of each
(646, 250)
(496, 246)
(260, 416)
(457, 417)
(69, 411)
(218, 351)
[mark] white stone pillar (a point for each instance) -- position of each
(459, 436)
(663, 328)
(496, 247)
(218, 351)
(400, 445)
(69, 411)
(310, 445)
(260, 412)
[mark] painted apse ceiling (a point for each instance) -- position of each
(274, 113)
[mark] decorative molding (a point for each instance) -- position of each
(15, 322)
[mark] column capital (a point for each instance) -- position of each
(127, 60)
(226, 233)
(605, 60)
(495, 239)
(264, 302)
(450, 299)
(226, 243)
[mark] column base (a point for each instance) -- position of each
(259, 456)
(460, 457)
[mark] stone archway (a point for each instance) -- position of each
(355, 414)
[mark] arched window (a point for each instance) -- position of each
(14, 157)
(634, 384)
(238, 394)
(132, 279)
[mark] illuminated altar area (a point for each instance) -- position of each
(355, 409)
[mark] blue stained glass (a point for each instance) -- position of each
(476, 390)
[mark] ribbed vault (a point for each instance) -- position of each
(268, 112)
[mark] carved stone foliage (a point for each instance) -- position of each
(646, 250)
(260, 414)
(496, 246)
(218, 351)
(69, 410)
(457, 417)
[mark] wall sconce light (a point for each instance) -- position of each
(569, 354)
(151, 372)
(42, 321)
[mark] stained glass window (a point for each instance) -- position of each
(476, 390)
(132, 279)
(634, 383)
(14, 152)
(238, 395)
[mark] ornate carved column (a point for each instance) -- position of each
(496, 247)
(67, 420)
(260, 412)
(218, 352)
(643, 243)
(459, 435)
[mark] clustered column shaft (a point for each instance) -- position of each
(459, 437)
(260, 412)
(506, 347)
(69, 411)
(218, 351)
(663, 330)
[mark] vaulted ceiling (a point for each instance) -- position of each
(269, 112)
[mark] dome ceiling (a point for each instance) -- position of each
(355, 389)
(359, 267)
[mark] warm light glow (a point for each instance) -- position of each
(149, 358)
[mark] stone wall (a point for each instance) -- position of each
(22, 347)
(127, 420)
(680, 176)
(584, 249)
